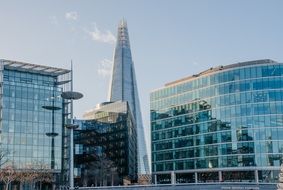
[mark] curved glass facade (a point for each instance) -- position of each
(224, 125)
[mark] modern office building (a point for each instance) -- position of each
(32, 114)
(124, 88)
(106, 146)
(224, 124)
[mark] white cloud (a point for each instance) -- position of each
(71, 15)
(105, 37)
(105, 68)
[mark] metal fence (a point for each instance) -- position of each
(228, 186)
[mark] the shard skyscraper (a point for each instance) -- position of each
(124, 87)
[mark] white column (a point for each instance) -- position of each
(220, 176)
(196, 177)
(71, 159)
(256, 176)
(173, 178)
(155, 179)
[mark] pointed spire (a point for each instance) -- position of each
(124, 87)
(123, 36)
(123, 23)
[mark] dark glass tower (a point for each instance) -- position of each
(124, 88)
(106, 146)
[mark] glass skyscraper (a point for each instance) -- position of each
(124, 88)
(28, 125)
(224, 124)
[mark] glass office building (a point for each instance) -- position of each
(106, 146)
(32, 110)
(224, 124)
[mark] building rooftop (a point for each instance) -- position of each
(33, 68)
(118, 107)
(221, 68)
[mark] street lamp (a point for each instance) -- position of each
(52, 134)
(71, 95)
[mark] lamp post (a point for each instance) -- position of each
(71, 95)
(52, 134)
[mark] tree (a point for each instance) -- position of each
(41, 173)
(37, 172)
(7, 175)
(98, 171)
(44, 176)
(27, 175)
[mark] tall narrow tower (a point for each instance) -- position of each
(124, 87)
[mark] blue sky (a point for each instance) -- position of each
(170, 39)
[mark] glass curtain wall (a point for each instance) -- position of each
(223, 126)
(25, 122)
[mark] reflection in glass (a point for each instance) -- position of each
(227, 118)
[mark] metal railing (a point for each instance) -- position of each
(206, 186)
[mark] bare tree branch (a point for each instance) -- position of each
(7, 175)
(3, 156)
